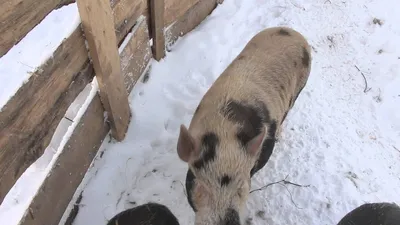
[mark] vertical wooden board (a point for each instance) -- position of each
(157, 28)
(174, 9)
(59, 186)
(193, 17)
(136, 54)
(98, 26)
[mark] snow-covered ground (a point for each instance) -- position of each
(340, 140)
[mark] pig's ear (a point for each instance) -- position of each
(255, 144)
(186, 144)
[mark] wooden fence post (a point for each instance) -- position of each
(157, 28)
(98, 25)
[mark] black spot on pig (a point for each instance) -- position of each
(190, 179)
(209, 144)
(372, 214)
(267, 149)
(264, 111)
(251, 118)
(306, 58)
(149, 213)
(231, 218)
(283, 32)
(238, 112)
(225, 180)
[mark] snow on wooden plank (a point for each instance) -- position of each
(68, 170)
(98, 26)
(18, 17)
(79, 150)
(30, 117)
(157, 28)
(136, 54)
(193, 17)
(174, 9)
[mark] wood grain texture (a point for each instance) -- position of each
(28, 121)
(191, 19)
(156, 8)
(59, 187)
(126, 13)
(18, 17)
(98, 26)
(174, 9)
(64, 3)
(136, 55)
(30, 117)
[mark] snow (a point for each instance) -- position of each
(342, 142)
(19, 197)
(34, 49)
(337, 139)
(15, 69)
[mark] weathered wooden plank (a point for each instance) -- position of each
(59, 187)
(18, 17)
(136, 54)
(126, 12)
(156, 8)
(55, 192)
(30, 117)
(64, 3)
(28, 121)
(193, 17)
(98, 26)
(174, 9)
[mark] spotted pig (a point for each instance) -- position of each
(234, 128)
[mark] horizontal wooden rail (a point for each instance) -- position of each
(60, 185)
(190, 20)
(30, 117)
(175, 9)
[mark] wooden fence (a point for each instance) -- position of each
(29, 119)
